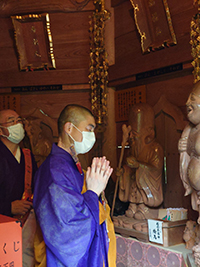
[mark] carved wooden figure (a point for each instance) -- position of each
(140, 180)
(189, 148)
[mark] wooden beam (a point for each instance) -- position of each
(13, 7)
(72, 76)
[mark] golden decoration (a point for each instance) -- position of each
(197, 1)
(33, 34)
(169, 40)
(195, 43)
(98, 71)
(170, 21)
(142, 34)
(151, 3)
(155, 17)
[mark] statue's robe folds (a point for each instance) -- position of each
(144, 184)
(190, 162)
(68, 219)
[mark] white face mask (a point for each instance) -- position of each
(16, 133)
(87, 142)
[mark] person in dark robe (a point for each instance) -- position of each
(69, 219)
(12, 165)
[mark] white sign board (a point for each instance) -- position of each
(155, 231)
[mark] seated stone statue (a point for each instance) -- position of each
(189, 148)
(140, 178)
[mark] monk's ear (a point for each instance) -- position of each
(150, 136)
(67, 127)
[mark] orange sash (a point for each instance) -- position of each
(27, 195)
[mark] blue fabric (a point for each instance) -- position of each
(68, 219)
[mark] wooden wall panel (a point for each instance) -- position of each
(13, 7)
(71, 51)
(129, 57)
(53, 103)
(71, 76)
(109, 143)
(179, 7)
(8, 58)
(68, 27)
(8, 61)
(71, 40)
(6, 29)
(176, 91)
(72, 56)
(117, 2)
(124, 19)
(183, 18)
(129, 63)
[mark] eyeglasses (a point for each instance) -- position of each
(13, 121)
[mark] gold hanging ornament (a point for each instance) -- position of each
(195, 43)
(197, 1)
(98, 70)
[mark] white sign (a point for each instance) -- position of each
(155, 231)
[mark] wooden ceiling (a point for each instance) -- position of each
(69, 27)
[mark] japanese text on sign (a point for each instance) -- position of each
(155, 231)
(10, 102)
(8, 264)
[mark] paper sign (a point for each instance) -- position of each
(10, 102)
(10, 242)
(155, 231)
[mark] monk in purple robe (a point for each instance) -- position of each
(68, 219)
(12, 165)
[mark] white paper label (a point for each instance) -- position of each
(155, 231)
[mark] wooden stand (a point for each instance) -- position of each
(144, 237)
(173, 232)
(125, 227)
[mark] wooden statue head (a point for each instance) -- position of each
(193, 105)
(141, 120)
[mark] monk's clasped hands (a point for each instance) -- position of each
(98, 174)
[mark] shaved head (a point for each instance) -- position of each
(72, 113)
